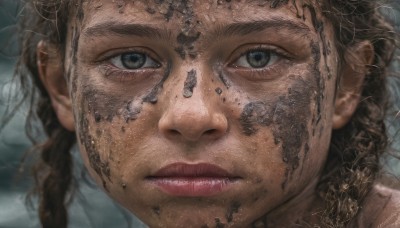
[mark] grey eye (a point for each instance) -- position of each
(258, 59)
(133, 60)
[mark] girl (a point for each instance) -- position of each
(214, 113)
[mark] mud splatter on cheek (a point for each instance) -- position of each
(152, 96)
(288, 116)
(89, 142)
(97, 107)
(103, 106)
(259, 113)
(190, 83)
(218, 91)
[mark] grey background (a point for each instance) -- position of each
(91, 207)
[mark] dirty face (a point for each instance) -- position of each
(198, 114)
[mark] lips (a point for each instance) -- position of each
(192, 180)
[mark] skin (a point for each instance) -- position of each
(271, 125)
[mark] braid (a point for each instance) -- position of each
(56, 160)
(53, 171)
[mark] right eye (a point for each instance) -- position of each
(134, 61)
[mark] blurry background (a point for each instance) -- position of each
(91, 207)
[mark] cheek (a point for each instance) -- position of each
(101, 123)
(287, 117)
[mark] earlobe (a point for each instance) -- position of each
(358, 58)
(51, 73)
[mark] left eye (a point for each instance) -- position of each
(256, 59)
(134, 61)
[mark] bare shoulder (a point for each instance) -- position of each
(383, 203)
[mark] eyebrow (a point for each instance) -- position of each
(234, 29)
(125, 29)
(245, 28)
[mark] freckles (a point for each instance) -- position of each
(190, 83)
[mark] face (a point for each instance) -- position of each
(202, 114)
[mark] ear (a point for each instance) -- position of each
(51, 73)
(358, 58)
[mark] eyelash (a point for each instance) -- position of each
(260, 73)
(110, 70)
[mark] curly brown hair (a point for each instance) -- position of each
(355, 152)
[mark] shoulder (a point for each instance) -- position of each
(383, 203)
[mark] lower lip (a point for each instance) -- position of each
(192, 187)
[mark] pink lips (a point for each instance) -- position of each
(180, 179)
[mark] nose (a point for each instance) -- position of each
(193, 119)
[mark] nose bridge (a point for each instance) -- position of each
(193, 113)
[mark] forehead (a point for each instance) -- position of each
(199, 15)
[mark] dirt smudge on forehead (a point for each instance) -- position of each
(188, 34)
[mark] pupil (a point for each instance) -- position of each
(133, 60)
(258, 59)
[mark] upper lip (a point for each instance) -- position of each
(192, 170)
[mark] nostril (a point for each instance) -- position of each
(174, 132)
(210, 132)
